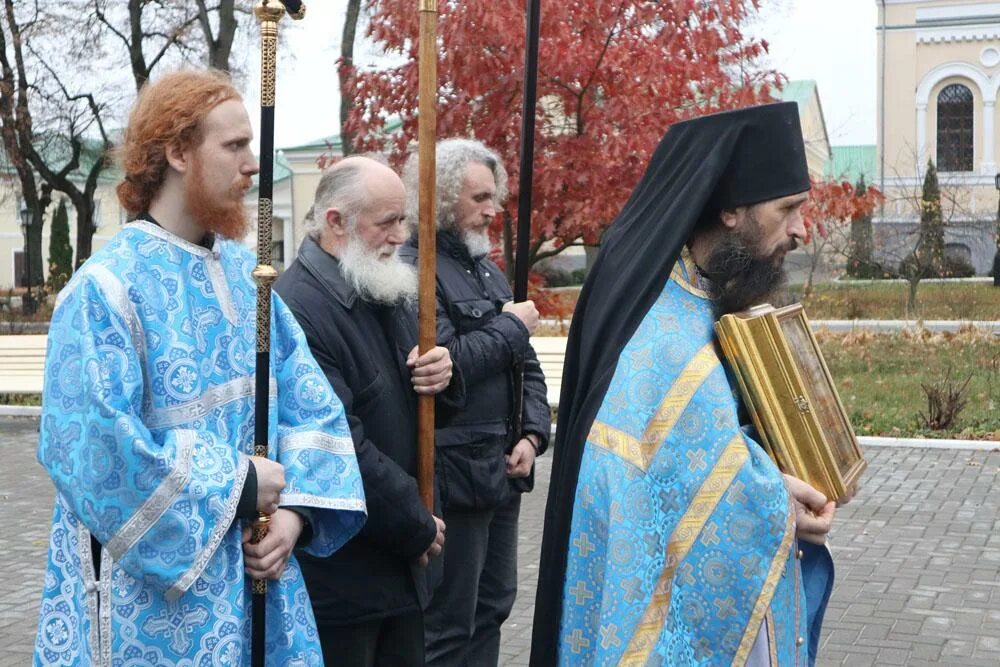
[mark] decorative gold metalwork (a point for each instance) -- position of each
(264, 274)
(428, 6)
(790, 395)
(258, 532)
(268, 13)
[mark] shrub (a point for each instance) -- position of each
(60, 250)
(957, 267)
(557, 278)
(945, 402)
(562, 278)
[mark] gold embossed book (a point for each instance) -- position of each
(791, 398)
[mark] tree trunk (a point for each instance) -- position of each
(911, 299)
(996, 255)
(140, 71)
(35, 273)
(85, 228)
(814, 260)
(220, 48)
(345, 71)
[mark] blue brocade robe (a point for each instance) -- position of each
(147, 425)
(682, 536)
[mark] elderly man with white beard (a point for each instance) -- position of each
(355, 301)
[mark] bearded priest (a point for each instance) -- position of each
(670, 536)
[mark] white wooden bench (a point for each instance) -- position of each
(22, 364)
(551, 351)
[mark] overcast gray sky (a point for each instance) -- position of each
(830, 41)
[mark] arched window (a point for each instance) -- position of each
(954, 128)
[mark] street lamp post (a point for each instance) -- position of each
(996, 232)
(28, 305)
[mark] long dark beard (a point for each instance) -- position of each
(738, 277)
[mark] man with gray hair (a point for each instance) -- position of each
(485, 453)
(354, 299)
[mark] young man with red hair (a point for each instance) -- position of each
(147, 421)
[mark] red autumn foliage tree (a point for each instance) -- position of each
(837, 203)
(613, 75)
(831, 206)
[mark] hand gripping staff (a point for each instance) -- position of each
(268, 13)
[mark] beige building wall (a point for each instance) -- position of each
(923, 47)
(927, 45)
(814, 134)
(109, 219)
(305, 177)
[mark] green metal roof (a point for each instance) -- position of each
(321, 144)
(333, 141)
(280, 171)
(796, 91)
(851, 162)
(56, 151)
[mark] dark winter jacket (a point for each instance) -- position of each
(362, 349)
(486, 346)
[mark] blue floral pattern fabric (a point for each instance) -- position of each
(682, 536)
(147, 429)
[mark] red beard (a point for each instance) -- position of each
(227, 217)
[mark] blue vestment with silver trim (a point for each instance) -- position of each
(682, 536)
(147, 428)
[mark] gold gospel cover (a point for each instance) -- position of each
(788, 391)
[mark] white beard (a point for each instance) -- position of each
(478, 243)
(378, 276)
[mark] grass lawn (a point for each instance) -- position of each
(879, 376)
(877, 300)
(879, 379)
(887, 301)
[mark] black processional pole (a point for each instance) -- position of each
(268, 13)
(526, 171)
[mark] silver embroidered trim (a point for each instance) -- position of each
(200, 407)
(309, 500)
(104, 593)
(316, 440)
(222, 526)
(173, 239)
(211, 256)
(221, 286)
(91, 595)
(157, 503)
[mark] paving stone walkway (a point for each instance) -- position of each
(918, 558)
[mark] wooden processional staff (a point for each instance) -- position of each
(426, 237)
